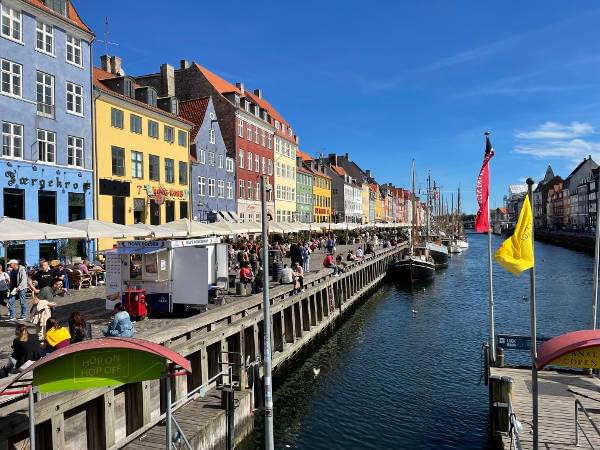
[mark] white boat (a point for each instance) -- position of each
(453, 248)
(462, 243)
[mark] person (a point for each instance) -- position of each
(59, 273)
(77, 327)
(4, 285)
(56, 336)
(299, 276)
(329, 263)
(18, 289)
(330, 244)
(83, 266)
(287, 275)
(120, 325)
(246, 276)
(41, 311)
(350, 256)
(258, 281)
(26, 350)
(306, 257)
(43, 278)
(254, 260)
(359, 253)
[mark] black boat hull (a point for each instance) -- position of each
(411, 269)
(440, 258)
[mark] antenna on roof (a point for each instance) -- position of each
(105, 41)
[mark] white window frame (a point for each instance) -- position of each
(270, 167)
(14, 79)
(241, 156)
(220, 161)
(256, 134)
(242, 189)
(13, 16)
(46, 88)
(41, 30)
(74, 44)
(249, 132)
(211, 158)
(211, 187)
(270, 140)
(229, 164)
(202, 156)
(212, 136)
(201, 186)
(263, 165)
(75, 151)
(137, 164)
(257, 192)
(229, 190)
(250, 193)
(71, 90)
(221, 188)
(249, 166)
(240, 128)
(257, 163)
(46, 141)
(263, 141)
(168, 139)
(14, 138)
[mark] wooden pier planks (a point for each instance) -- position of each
(556, 408)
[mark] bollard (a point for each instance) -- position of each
(500, 357)
(228, 402)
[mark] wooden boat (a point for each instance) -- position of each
(439, 253)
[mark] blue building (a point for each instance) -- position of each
(46, 117)
(212, 172)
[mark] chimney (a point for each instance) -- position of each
(333, 159)
(105, 63)
(240, 86)
(368, 172)
(167, 78)
(346, 156)
(258, 93)
(184, 64)
(117, 67)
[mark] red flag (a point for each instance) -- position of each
(482, 222)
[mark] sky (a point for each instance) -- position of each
(389, 81)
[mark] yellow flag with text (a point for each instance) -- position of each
(516, 253)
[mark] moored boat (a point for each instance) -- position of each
(462, 243)
(419, 267)
(439, 253)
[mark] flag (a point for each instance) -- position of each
(516, 253)
(482, 221)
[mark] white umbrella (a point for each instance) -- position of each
(23, 230)
(192, 228)
(158, 231)
(95, 229)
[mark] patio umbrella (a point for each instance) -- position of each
(24, 230)
(158, 231)
(193, 228)
(95, 229)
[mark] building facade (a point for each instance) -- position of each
(321, 188)
(304, 193)
(46, 115)
(142, 152)
(212, 171)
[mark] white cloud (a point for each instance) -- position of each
(555, 130)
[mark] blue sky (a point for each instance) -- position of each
(390, 81)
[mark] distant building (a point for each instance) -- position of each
(540, 198)
(304, 192)
(576, 195)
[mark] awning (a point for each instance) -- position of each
(138, 250)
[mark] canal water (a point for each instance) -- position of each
(391, 378)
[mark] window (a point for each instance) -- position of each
(183, 172)
(183, 210)
(46, 146)
(241, 158)
(75, 151)
(257, 163)
(169, 134)
(202, 156)
(278, 192)
(278, 168)
(256, 135)
(12, 140)
(45, 94)
(241, 128)
(249, 160)
(135, 124)
(221, 189)
(229, 164)
(241, 193)
(44, 38)
(154, 167)
(270, 167)
(169, 210)
(75, 98)
(211, 187)
(257, 191)
(250, 190)
(74, 50)
(116, 118)
(211, 158)
(153, 129)
(169, 170)
(11, 23)
(137, 164)
(201, 186)
(182, 138)
(270, 140)
(221, 158)
(212, 136)
(229, 190)
(249, 132)
(118, 161)
(12, 78)
(262, 138)
(264, 165)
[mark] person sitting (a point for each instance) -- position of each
(26, 350)
(299, 276)
(60, 274)
(56, 336)
(329, 263)
(77, 327)
(246, 276)
(41, 311)
(350, 256)
(287, 275)
(121, 325)
(83, 266)
(258, 282)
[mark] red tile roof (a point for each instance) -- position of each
(100, 75)
(304, 156)
(304, 170)
(194, 111)
(218, 83)
(72, 15)
(339, 170)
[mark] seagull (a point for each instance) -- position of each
(423, 289)
(414, 311)
(316, 371)
(524, 298)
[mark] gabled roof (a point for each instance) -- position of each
(304, 156)
(194, 111)
(339, 170)
(304, 170)
(100, 75)
(72, 15)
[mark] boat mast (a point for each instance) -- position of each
(414, 209)
(428, 209)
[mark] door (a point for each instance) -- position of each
(118, 204)
(154, 213)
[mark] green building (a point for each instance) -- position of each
(304, 193)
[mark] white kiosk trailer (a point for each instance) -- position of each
(173, 275)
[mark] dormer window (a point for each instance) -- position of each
(257, 110)
(265, 116)
(247, 106)
(59, 6)
(128, 89)
(277, 124)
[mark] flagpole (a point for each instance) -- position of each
(490, 277)
(596, 261)
(534, 374)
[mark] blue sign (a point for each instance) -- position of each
(516, 342)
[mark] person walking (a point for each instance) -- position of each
(4, 286)
(18, 289)
(306, 257)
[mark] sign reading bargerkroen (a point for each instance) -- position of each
(588, 358)
(97, 368)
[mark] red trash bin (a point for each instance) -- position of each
(134, 302)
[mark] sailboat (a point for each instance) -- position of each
(416, 263)
(461, 241)
(438, 252)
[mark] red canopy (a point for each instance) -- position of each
(564, 344)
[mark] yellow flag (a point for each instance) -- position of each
(516, 253)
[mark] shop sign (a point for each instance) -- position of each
(160, 192)
(41, 183)
(141, 244)
(588, 358)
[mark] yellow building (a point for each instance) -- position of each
(321, 188)
(365, 202)
(141, 153)
(285, 175)
(379, 203)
